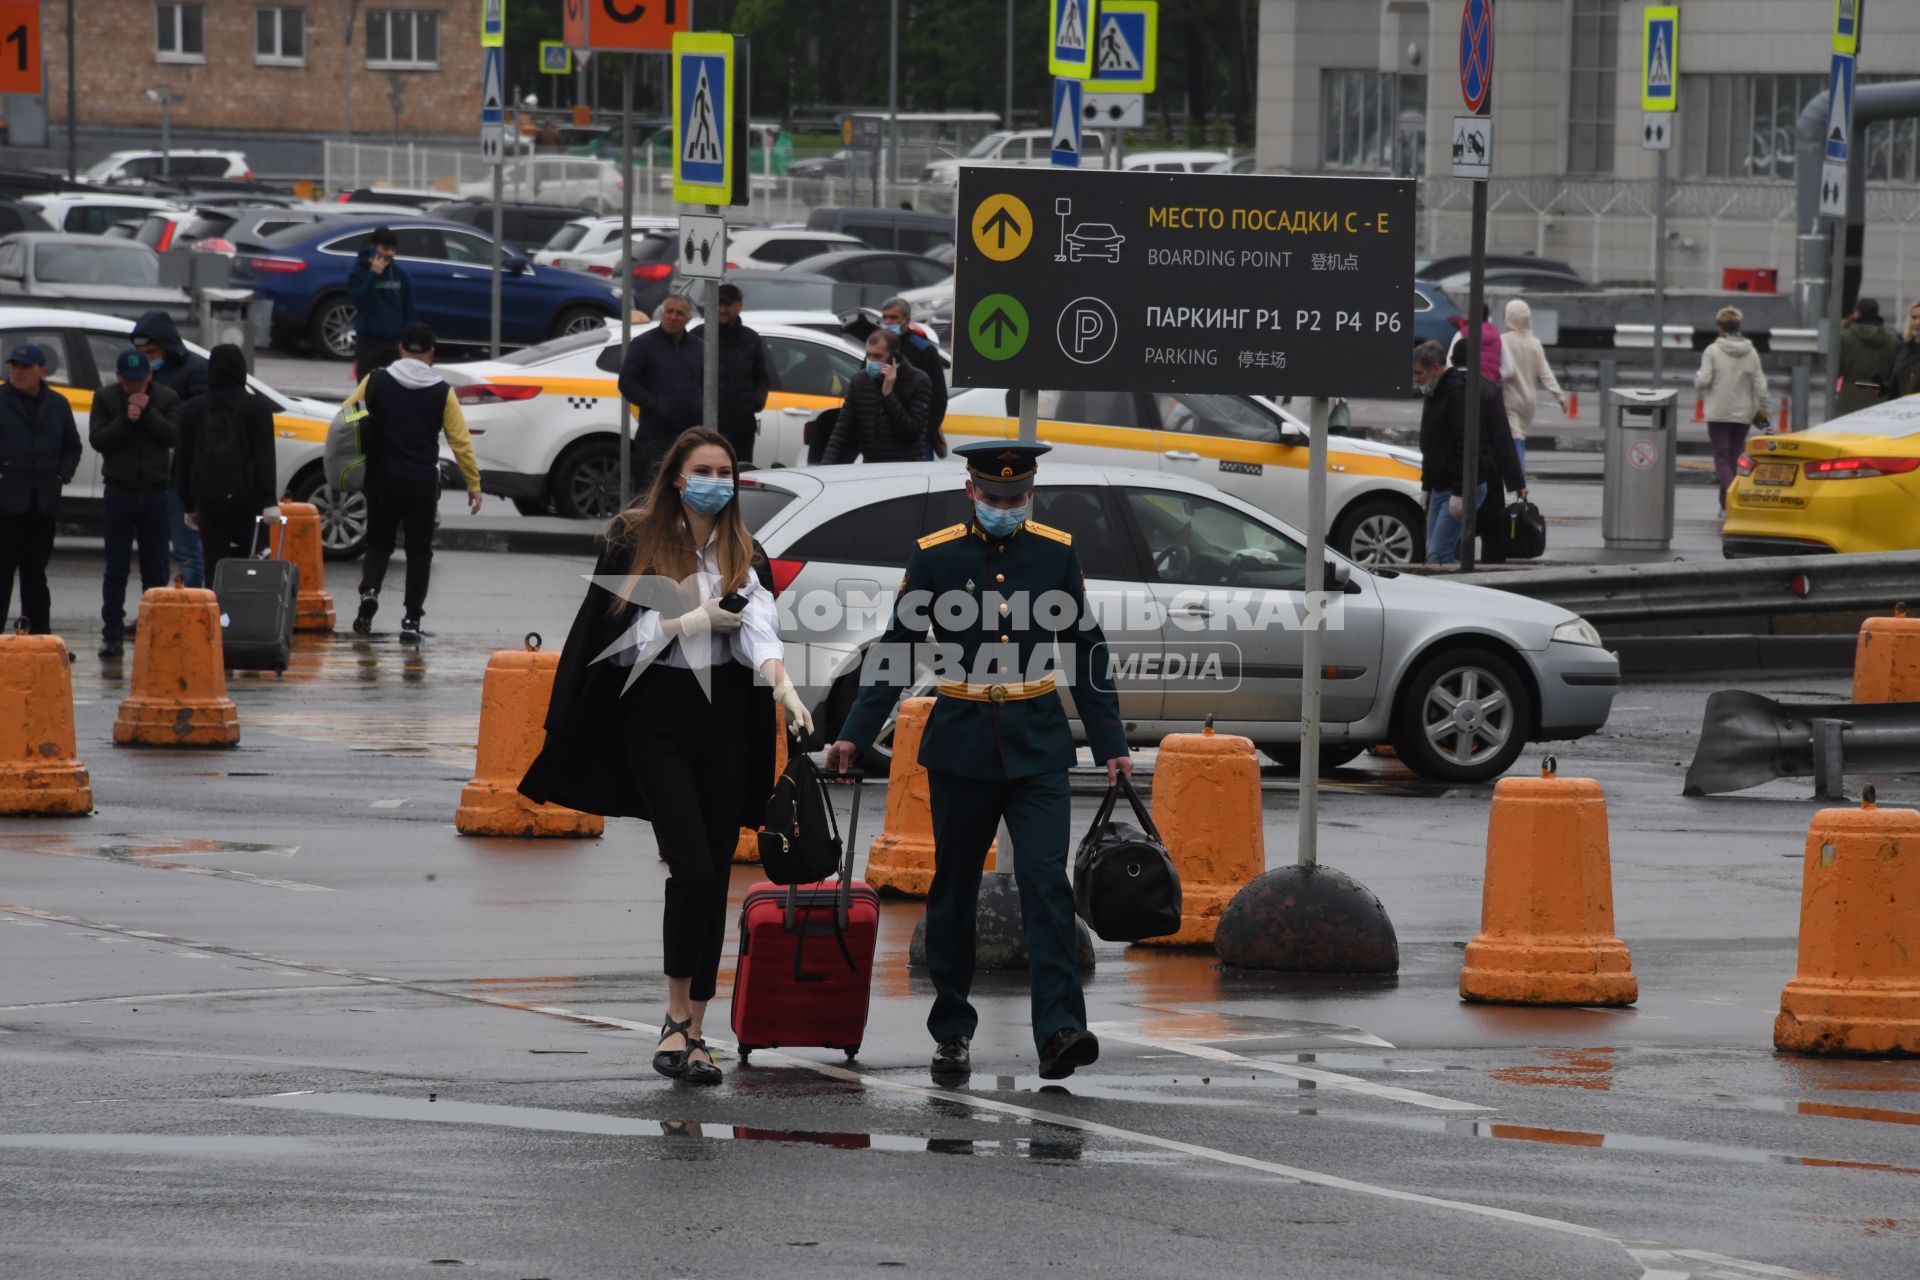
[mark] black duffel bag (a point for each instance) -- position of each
(800, 843)
(1526, 531)
(1124, 884)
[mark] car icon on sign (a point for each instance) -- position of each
(1094, 240)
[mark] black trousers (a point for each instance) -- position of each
(130, 515)
(966, 812)
(26, 544)
(372, 353)
(688, 756)
(740, 435)
(392, 508)
(227, 535)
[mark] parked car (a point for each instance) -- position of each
(1239, 164)
(1455, 263)
(90, 213)
(1529, 279)
(81, 347)
(145, 166)
(1027, 147)
(873, 276)
(900, 230)
(411, 197)
(580, 239)
(118, 277)
(183, 228)
(772, 247)
(18, 215)
(301, 273)
(1852, 484)
(1172, 161)
(523, 226)
(579, 182)
(788, 290)
(1458, 678)
(1433, 314)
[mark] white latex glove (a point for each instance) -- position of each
(708, 618)
(798, 720)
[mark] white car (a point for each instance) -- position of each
(154, 166)
(568, 180)
(93, 214)
(81, 347)
(1027, 147)
(1172, 161)
(584, 241)
(776, 247)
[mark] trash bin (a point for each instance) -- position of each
(1640, 433)
(227, 315)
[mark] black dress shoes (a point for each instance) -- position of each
(1067, 1049)
(952, 1060)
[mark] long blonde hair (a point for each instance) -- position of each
(657, 530)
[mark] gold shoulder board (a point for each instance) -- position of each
(1048, 531)
(947, 534)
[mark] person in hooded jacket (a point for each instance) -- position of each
(1906, 362)
(1525, 368)
(1867, 351)
(185, 374)
(224, 464)
(1495, 363)
(1735, 388)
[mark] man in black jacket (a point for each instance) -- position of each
(224, 466)
(133, 426)
(896, 317)
(662, 376)
(185, 374)
(743, 376)
(884, 417)
(39, 452)
(1443, 433)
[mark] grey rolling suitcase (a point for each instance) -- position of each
(257, 600)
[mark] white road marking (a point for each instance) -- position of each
(175, 995)
(389, 804)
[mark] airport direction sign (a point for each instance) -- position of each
(1126, 50)
(1104, 281)
(1660, 58)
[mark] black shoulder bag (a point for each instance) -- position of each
(1124, 885)
(800, 843)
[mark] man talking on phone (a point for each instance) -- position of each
(884, 417)
(382, 291)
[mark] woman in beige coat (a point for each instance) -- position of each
(1735, 388)
(1529, 369)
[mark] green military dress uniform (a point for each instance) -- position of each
(998, 745)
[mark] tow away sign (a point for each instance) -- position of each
(1105, 281)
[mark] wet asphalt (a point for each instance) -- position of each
(266, 1014)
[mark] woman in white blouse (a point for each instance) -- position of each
(688, 626)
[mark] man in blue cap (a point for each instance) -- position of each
(997, 743)
(39, 452)
(133, 426)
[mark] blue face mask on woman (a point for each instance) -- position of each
(707, 494)
(999, 521)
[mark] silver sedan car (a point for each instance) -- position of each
(1202, 600)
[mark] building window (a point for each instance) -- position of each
(1374, 120)
(280, 35)
(1595, 71)
(403, 38)
(180, 32)
(1749, 124)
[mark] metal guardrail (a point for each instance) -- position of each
(1620, 597)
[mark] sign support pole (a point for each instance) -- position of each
(499, 251)
(1659, 269)
(1837, 294)
(1470, 459)
(710, 355)
(626, 267)
(1315, 597)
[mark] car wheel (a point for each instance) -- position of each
(1332, 755)
(586, 481)
(1381, 532)
(1463, 716)
(331, 329)
(578, 320)
(533, 506)
(343, 517)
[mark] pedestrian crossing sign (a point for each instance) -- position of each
(1071, 27)
(709, 125)
(1847, 17)
(1660, 59)
(1126, 51)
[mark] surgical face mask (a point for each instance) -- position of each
(156, 362)
(707, 494)
(892, 328)
(999, 521)
(875, 369)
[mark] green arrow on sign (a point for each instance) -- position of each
(998, 326)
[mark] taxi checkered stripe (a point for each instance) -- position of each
(580, 402)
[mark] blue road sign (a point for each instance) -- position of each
(702, 99)
(1124, 52)
(1660, 60)
(1476, 53)
(1840, 107)
(493, 79)
(1066, 122)
(1070, 44)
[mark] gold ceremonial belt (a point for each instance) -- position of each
(1017, 691)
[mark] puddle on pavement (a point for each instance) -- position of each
(1048, 1143)
(162, 1144)
(1570, 1069)
(160, 854)
(1828, 1110)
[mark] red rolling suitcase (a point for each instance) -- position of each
(805, 973)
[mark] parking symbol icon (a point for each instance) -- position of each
(1087, 330)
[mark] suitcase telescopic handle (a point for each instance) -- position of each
(253, 547)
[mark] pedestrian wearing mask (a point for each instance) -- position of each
(1867, 353)
(133, 426)
(1906, 363)
(39, 452)
(743, 376)
(382, 291)
(884, 417)
(919, 350)
(1527, 361)
(1735, 388)
(655, 712)
(224, 466)
(185, 374)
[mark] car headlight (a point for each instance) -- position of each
(1577, 631)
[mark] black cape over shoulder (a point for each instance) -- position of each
(584, 764)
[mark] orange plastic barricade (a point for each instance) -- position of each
(900, 859)
(513, 712)
(301, 543)
(1206, 803)
(178, 694)
(1886, 659)
(40, 770)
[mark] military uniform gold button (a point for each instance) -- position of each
(999, 577)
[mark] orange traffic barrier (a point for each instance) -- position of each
(513, 710)
(1699, 409)
(1573, 404)
(1546, 908)
(1857, 990)
(748, 847)
(40, 769)
(1886, 659)
(178, 694)
(301, 543)
(1206, 804)
(900, 859)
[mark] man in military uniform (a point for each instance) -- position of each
(997, 743)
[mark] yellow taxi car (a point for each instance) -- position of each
(1851, 485)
